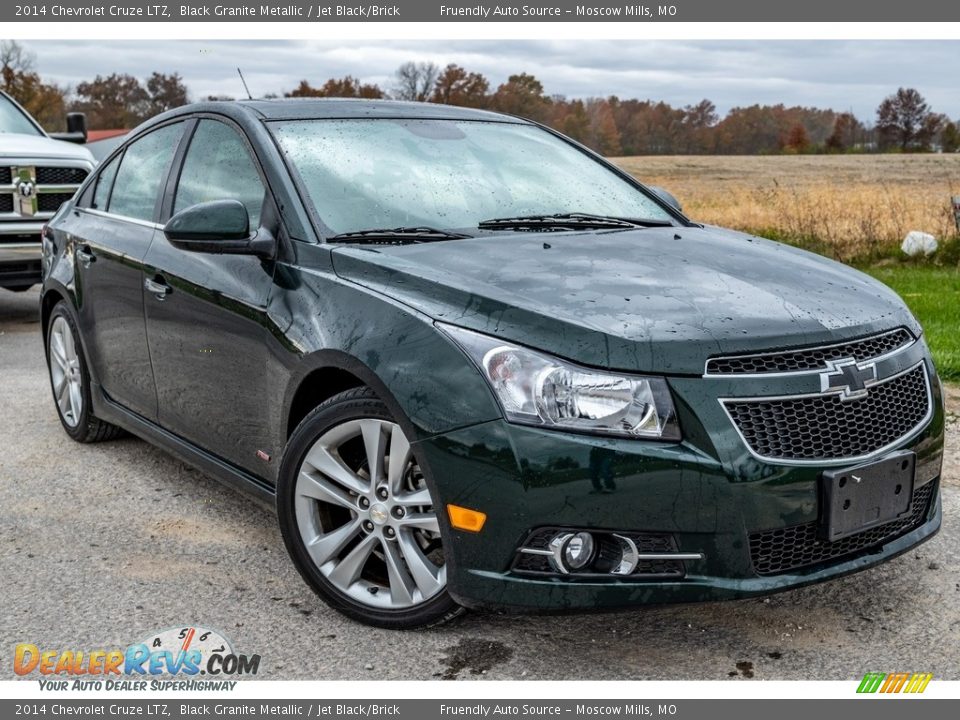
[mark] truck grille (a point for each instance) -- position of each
(804, 360)
(51, 202)
(52, 185)
(824, 427)
(60, 175)
(786, 549)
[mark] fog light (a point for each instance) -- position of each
(571, 552)
(578, 551)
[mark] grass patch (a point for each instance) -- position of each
(933, 295)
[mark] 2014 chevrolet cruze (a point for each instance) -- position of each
(473, 364)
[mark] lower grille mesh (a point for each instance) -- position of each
(779, 551)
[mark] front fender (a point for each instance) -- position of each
(318, 321)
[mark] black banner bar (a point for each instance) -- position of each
(485, 11)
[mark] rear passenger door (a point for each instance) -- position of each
(206, 315)
(112, 228)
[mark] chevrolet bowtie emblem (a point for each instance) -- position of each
(848, 377)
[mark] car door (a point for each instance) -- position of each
(206, 313)
(111, 234)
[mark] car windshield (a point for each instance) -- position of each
(13, 119)
(364, 174)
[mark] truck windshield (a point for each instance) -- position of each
(449, 174)
(14, 120)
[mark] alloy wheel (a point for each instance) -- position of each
(65, 372)
(366, 517)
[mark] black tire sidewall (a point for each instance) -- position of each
(350, 405)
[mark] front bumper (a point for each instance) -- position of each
(20, 258)
(708, 492)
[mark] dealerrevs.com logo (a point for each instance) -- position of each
(186, 658)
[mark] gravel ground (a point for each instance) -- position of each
(102, 544)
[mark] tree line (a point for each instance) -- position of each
(904, 121)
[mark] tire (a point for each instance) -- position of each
(70, 381)
(370, 547)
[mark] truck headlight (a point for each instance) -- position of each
(536, 389)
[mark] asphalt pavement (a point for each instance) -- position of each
(102, 545)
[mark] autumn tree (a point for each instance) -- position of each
(604, 137)
(415, 81)
(905, 121)
(456, 86)
(348, 86)
(522, 95)
(698, 122)
(44, 101)
(115, 101)
(950, 138)
(846, 131)
(165, 92)
(796, 140)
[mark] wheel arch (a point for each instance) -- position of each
(327, 373)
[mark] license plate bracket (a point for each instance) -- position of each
(863, 496)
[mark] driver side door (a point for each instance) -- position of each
(206, 313)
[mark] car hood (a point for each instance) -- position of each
(651, 300)
(37, 146)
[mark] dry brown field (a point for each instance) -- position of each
(851, 207)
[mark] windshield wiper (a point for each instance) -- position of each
(396, 236)
(572, 221)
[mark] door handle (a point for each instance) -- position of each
(86, 256)
(157, 287)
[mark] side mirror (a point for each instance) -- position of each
(667, 197)
(219, 227)
(76, 129)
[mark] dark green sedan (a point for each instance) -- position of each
(472, 364)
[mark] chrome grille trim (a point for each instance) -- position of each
(778, 460)
(801, 356)
(14, 207)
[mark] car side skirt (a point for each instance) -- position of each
(258, 489)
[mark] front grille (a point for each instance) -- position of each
(6, 203)
(645, 542)
(824, 427)
(811, 358)
(5, 176)
(60, 175)
(51, 202)
(779, 551)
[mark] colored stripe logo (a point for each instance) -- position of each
(894, 682)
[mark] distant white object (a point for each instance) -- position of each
(919, 243)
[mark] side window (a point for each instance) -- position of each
(104, 182)
(218, 166)
(142, 170)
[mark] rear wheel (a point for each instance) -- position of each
(358, 517)
(70, 381)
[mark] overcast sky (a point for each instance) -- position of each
(843, 75)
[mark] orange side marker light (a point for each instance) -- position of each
(466, 519)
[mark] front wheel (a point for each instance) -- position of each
(358, 517)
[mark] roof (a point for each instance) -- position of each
(329, 108)
(96, 135)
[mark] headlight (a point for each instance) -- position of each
(537, 389)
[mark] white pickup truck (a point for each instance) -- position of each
(38, 172)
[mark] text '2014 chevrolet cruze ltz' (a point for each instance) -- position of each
(472, 364)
